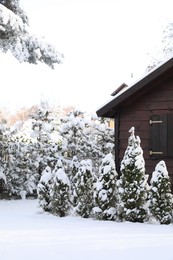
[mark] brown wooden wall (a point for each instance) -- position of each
(158, 101)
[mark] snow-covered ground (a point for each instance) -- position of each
(28, 234)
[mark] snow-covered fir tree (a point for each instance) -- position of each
(106, 190)
(21, 170)
(103, 141)
(3, 183)
(86, 136)
(160, 197)
(84, 187)
(47, 149)
(4, 157)
(132, 184)
(60, 191)
(72, 129)
(44, 190)
(16, 37)
(74, 167)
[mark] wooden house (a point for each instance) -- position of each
(148, 106)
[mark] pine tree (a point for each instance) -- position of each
(106, 190)
(44, 190)
(60, 192)
(74, 167)
(4, 157)
(86, 137)
(15, 36)
(46, 148)
(3, 183)
(84, 181)
(160, 197)
(133, 182)
(21, 169)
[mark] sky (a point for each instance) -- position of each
(28, 233)
(104, 43)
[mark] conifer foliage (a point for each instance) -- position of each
(133, 182)
(15, 36)
(44, 189)
(160, 197)
(60, 191)
(84, 181)
(106, 190)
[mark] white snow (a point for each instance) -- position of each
(9, 20)
(2, 176)
(46, 175)
(61, 176)
(26, 233)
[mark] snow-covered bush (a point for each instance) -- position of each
(44, 190)
(133, 185)
(106, 190)
(160, 197)
(3, 183)
(60, 191)
(84, 181)
(74, 167)
(42, 128)
(86, 136)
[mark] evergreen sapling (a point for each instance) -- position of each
(133, 182)
(160, 197)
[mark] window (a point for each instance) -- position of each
(161, 135)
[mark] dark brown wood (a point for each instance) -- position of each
(170, 134)
(117, 125)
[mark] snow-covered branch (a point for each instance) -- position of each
(15, 36)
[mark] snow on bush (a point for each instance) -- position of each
(133, 182)
(84, 181)
(44, 189)
(160, 197)
(106, 190)
(60, 192)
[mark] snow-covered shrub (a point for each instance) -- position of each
(44, 190)
(60, 192)
(84, 181)
(74, 167)
(3, 183)
(106, 190)
(133, 182)
(42, 128)
(86, 137)
(21, 169)
(160, 197)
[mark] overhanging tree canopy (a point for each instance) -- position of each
(16, 37)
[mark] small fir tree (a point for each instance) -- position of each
(106, 190)
(60, 192)
(84, 181)
(160, 197)
(3, 183)
(133, 182)
(44, 189)
(74, 167)
(42, 130)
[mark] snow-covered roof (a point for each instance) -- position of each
(111, 107)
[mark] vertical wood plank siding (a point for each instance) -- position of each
(158, 101)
